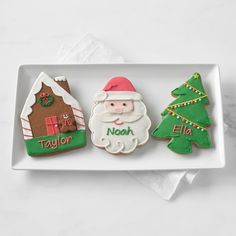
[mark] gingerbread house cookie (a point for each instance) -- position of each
(52, 120)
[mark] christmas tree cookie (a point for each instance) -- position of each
(185, 120)
(52, 120)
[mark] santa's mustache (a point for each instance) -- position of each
(125, 117)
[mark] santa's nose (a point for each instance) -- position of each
(118, 110)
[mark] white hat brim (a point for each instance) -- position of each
(117, 95)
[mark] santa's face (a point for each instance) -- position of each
(119, 106)
(119, 126)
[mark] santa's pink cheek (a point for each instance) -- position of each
(128, 106)
(109, 108)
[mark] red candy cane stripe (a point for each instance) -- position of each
(26, 129)
(26, 135)
(79, 124)
(76, 109)
(24, 120)
(81, 117)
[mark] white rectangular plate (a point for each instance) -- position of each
(155, 82)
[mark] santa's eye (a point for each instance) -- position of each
(124, 104)
(112, 104)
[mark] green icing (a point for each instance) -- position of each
(186, 124)
(114, 131)
(48, 103)
(55, 143)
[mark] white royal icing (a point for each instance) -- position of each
(114, 95)
(60, 78)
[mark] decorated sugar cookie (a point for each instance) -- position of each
(185, 120)
(119, 121)
(52, 120)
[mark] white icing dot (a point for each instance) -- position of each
(60, 78)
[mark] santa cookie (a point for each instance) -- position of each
(52, 120)
(119, 121)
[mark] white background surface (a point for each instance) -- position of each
(85, 203)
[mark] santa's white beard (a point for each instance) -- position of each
(135, 129)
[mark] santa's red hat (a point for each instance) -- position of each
(118, 88)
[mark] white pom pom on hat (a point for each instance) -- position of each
(118, 88)
(100, 96)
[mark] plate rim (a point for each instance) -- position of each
(221, 164)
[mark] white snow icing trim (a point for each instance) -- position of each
(60, 78)
(116, 95)
(57, 90)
